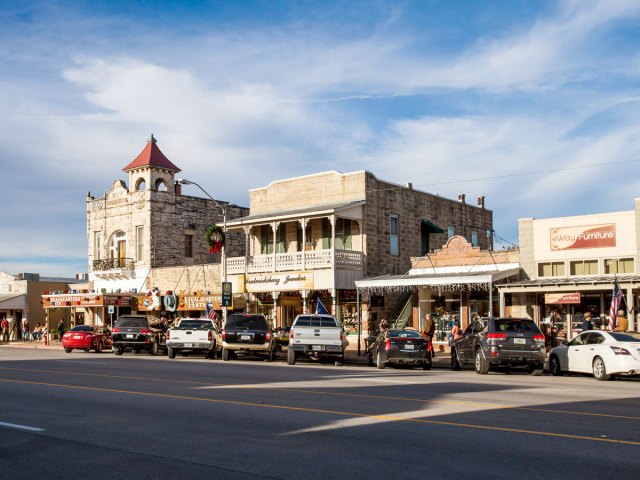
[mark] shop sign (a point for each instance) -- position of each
(561, 298)
(199, 302)
(89, 300)
(118, 300)
(274, 282)
(584, 236)
(149, 302)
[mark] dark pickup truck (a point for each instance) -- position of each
(137, 332)
(247, 334)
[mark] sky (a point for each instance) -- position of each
(533, 105)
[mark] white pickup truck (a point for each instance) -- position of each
(194, 335)
(317, 336)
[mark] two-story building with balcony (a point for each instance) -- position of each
(311, 238)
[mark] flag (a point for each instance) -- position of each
(616, 300)
(320, 310)
(211, 314)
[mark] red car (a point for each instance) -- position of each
(87, 337)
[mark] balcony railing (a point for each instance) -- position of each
(285, 262)
(113, 264)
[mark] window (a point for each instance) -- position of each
(451, 231)
(551, 269)
(326, 234)
(140, 185)
(474, 238)
(394, 227)
(188, 246)
(282, 238)
(140, 243)
(266, 243)
(583, 267)
(97, 245)
(619, 265)
(343, 234)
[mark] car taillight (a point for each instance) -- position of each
(209, 336)
(145, 331)
(620, 351)
(497, 336)
(169, 334)
(267, 336)
(224, 335)
(387, 344)
(291, 334)
(341, 335)
(115, 330)
(538, 337)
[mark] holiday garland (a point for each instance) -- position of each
(215, 238)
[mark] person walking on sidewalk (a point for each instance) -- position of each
(60, 329)
(5, 329)
(25, 330)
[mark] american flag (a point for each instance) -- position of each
(211, 313)
(616, 300)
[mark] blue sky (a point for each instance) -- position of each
(533, 105)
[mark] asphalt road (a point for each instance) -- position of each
(85, 415)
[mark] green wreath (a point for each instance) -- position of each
(215, 238)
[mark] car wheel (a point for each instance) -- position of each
(600, 370)
(554, 366)
(455, 363)
(225, 355)
(171, 352)
(482, 366)
(118, 350)
(154, 348)
(379, 362)
(99, 347)
(68, 350)
(291, 356)
(535, 369)
(427, 365)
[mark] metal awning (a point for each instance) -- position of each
(13, 301)
(477, 279)
(431, 226)
(565, 284)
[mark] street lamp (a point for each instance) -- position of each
(184, 181)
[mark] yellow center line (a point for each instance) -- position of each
(391, 418)
(337, 394)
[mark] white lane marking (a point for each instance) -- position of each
(21, 427)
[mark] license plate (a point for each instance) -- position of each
(77, 336)
(409, 347)
(131, 336)
(520, 341)
(189, 345)
(316, 347)
(245, 337)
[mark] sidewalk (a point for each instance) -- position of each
(29, 344)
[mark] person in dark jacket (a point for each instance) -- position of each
(586, 322)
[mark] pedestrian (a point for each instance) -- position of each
(60, 329)
(428, 331)
(384, 325)
(5, 329)
(454, 334)
(586, 322)
(622, 324)
(25, 329)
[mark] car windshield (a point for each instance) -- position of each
(625, 336)
(512, 325)
(131, 322)
(251, 322)
(195, 325)
(82, 328)
(315, 321)
(404, 334)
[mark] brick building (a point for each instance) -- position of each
(311, 238)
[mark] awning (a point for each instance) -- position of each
(13, 301)
(432, 227)
(473, 280)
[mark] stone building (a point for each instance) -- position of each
(311, 238)
(147, 240)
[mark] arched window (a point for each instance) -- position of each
(140, 185)
(161, 186)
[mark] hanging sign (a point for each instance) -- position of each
(561, 298)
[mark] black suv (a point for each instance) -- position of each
(138, 332)
(247, 333)
(492, 342)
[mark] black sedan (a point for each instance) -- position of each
(400, 347)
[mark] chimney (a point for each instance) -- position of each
(481, 202)
(461, 198)
(410, 186)
(178, 188)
